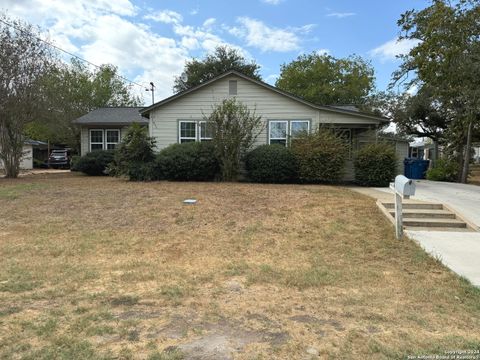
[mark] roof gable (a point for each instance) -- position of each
(334, 109)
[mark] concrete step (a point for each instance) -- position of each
(428, 213)
(416, 206)
(434, 223)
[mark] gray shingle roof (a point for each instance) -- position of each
(112, 116)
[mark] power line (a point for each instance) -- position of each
(67, 52)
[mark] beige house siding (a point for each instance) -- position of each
(26, 163)
(193, 106)
(164, 121)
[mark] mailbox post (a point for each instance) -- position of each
(403, 188)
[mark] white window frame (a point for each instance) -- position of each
(270, 138)
(96, 143)
(288, 129)
(106, 138)
(180, 137)
(200, 138)
(298, 121)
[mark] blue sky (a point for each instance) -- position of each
(151, 40)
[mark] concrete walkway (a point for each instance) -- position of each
(460, 251)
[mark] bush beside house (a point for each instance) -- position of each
(134, 157)
(375, 165)
(193, 161)
(321, 156)
(94, 163)
(271, 164)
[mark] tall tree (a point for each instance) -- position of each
(222, 60)
(234, 130)
(24, 59)
(70, 91)
(447, 59)
(422, 115)
(325, 80)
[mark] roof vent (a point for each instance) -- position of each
(232, 87)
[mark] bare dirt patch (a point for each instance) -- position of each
(97, 268)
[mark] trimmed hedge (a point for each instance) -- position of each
(321, 156)
(444, 170)
(193, 161)
(94, 163)
(375, 165)
(271, 164)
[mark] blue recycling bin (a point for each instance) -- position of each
(415, 168)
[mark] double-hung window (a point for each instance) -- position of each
(278, 131)
(193, 130)
(187, 131)
(281, 131)
(206, 131)
(112, 138)
(104, 139)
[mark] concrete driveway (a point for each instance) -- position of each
(460, 251)
(463, 198)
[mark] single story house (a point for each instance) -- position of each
(26, 163)
(180, 118)
(104, 128)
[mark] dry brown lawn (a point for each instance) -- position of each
(101, 268)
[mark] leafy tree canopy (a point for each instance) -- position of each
(72, 90)
(221, 61)
(24, 59)
(447, 60)
(325, 80)
(421, 115)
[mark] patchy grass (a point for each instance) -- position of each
(100, 268)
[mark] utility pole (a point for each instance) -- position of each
(152, 89)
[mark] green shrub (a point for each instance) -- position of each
(375, 165)
(94, 163)
(134, 157)
(193, 161)
(444, 170)
(74, 161)
(321, 156)
(271, 164)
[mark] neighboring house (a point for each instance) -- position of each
(180, 118)
(104, 128)
(422, 148)
(27, 159)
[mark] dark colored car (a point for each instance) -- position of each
(59, 159)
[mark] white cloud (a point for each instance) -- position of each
(393, 48)
(265, 38)
(272, 2)
(209, 22)
(102, 32)
(271, 79)
(165, 16)
(341, 15)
